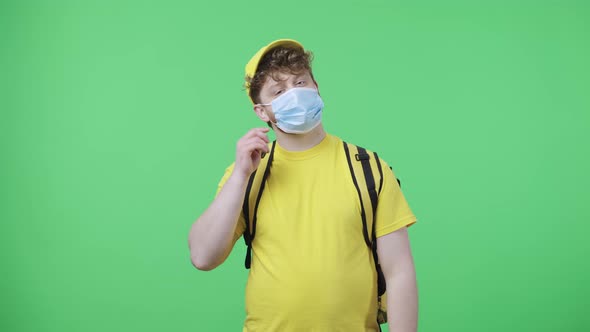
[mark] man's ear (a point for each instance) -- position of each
(261, 113)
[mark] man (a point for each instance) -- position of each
(311, 269)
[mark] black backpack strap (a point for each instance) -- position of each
(381, 277)
(252, 197)
(246, 213)
(364, 158)
(368, 194)
(355, 168)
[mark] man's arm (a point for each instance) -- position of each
(211, 237)
(396, 261)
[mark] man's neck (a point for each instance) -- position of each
(300, 142)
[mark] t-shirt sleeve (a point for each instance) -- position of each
(393, 211)
(241, 225)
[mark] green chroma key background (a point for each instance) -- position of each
(118, 119)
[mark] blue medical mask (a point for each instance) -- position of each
(298, 111)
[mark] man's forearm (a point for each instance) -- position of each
(211, 235)
(402, 302)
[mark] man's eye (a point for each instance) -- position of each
(301, 82)
(276, 93)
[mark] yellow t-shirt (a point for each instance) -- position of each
(311, 268)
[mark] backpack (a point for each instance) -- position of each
(365, 185)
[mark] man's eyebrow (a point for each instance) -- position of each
(281, 82)
(297, 76)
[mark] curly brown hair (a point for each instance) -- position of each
(281, 59)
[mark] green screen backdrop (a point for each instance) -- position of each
(118, 119)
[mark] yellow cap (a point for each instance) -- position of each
(253, 63)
